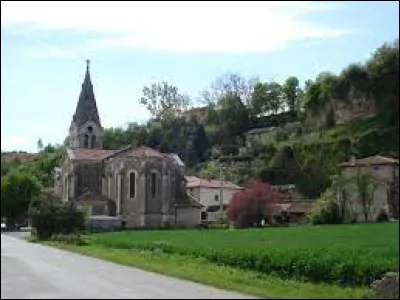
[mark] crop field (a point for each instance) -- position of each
(348, 255)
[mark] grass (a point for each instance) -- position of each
(202, 271)
(344, 254)
(273, 262)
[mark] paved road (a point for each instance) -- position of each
(35, 271)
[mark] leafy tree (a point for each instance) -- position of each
(291, 90)
(17, 190)
(326, 209)
(230, 84)
(383, 69)
(40, 145)
(366, 186)
(267, 98)
(257, 202)
(163, 100)
(229, 119)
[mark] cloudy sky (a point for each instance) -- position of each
(44, 46)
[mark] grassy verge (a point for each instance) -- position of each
(201, 271)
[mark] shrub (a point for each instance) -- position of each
(326, 210)
(382, 216)
(249, 207)
(50, 217)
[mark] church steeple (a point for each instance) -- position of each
(86, 130)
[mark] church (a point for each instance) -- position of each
(139, 186)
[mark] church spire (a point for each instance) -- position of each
(86, 109)
(85, 129)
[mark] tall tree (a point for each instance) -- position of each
(163, 100)
(233, 84)
(40, 145)
(291, 91)
(17, 190)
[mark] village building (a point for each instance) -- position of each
(140, 187)
(385, 171)
(211, 194)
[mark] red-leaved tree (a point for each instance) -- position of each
(257, 202)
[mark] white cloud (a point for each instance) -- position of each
(223, 27)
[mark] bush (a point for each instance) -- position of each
(382, 216)
(74, 239)
(50, 217)
(326, 210)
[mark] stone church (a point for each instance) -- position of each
(140, 186)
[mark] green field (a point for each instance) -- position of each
(320, 258)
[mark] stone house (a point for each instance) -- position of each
(208, 193)
(293, 204)
(385, 195)
(141, 187)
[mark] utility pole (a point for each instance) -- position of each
(221, 193)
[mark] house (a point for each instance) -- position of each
(208, 193)
(138, 186)
(293, 204)
(385, 194)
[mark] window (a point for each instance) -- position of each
(132, 185)
(109, 185)
(86, 141)
(93, 141)
(216, 197)
(204, 215)
(153, 184)
(116, 186)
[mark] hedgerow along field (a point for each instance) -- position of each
(350, 255)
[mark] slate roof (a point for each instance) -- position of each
(90, 154)
(86, 110)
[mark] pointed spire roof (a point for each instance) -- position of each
(86, 109)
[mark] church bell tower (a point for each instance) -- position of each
(86, 130)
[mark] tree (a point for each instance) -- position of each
(229, 119)
(267, 98)
(233, 84)
(17, 190)
(40, 145)
(383, 69)
(366, 186)
(291, 91)
(163, 100)
(257, 202)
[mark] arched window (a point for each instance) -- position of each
(132, 185)
(109, 186)
(116, 186)
(86, 141)
(153, 184)
(93, 141)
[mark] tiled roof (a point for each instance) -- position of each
(213, 183)
(91, 154)
(371, 160)
(147, 152)
(100, 154)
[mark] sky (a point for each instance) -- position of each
(44, 46)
